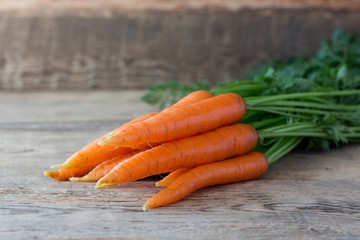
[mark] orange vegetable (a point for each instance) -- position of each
(241, 168)
(171, 177)
(184, 121)
(92, 154)
(212, 146)
(65, 174)
(102, 169)
(191, 98)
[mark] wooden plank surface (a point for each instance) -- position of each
(305, 195)
(46, 44)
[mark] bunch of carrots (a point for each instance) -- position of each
(205, 140)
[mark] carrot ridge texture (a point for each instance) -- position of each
(102, 169)
(66, 174)
(197, 96)
(183, 121)
(171, 177)
(189, 152)
(240, 168)
(92, 154)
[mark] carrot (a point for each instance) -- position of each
(65, 174)
(191, 98)
(92, 154)
(240, 168)
(102, 169)
(184, 121)
(171, 177)
(212, 146)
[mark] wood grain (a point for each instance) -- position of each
(85, 45)
(303, 196)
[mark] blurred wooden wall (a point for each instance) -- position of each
(122, 44)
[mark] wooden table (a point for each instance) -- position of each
(305, 195)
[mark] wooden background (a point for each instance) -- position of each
(80, 44)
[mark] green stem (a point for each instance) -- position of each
(254, 101)
(318, 100)
(309, 104)
(291, 127)
(269, 110)
(274, 147)
(266, 122)
(286, 146)
(243, 88)
(294, 134)
(322, 134)
(268, 141)
(296, 110)
(250, 114)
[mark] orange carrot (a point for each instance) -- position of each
(212, 146)
(92, 154)
(191, 98)
(171, 177)
(184, 121)
(102, 169)
(65, 174)
(241, 168)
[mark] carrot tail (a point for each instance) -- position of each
(171, 177)
(93, 154)
(189, 152)
(102, 169)
(66, 174)
(241, 168)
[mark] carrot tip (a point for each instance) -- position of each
(75, 179)
(160, 184)
(82, 179)
(51, 174)
(145, 207)
(103, 185)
